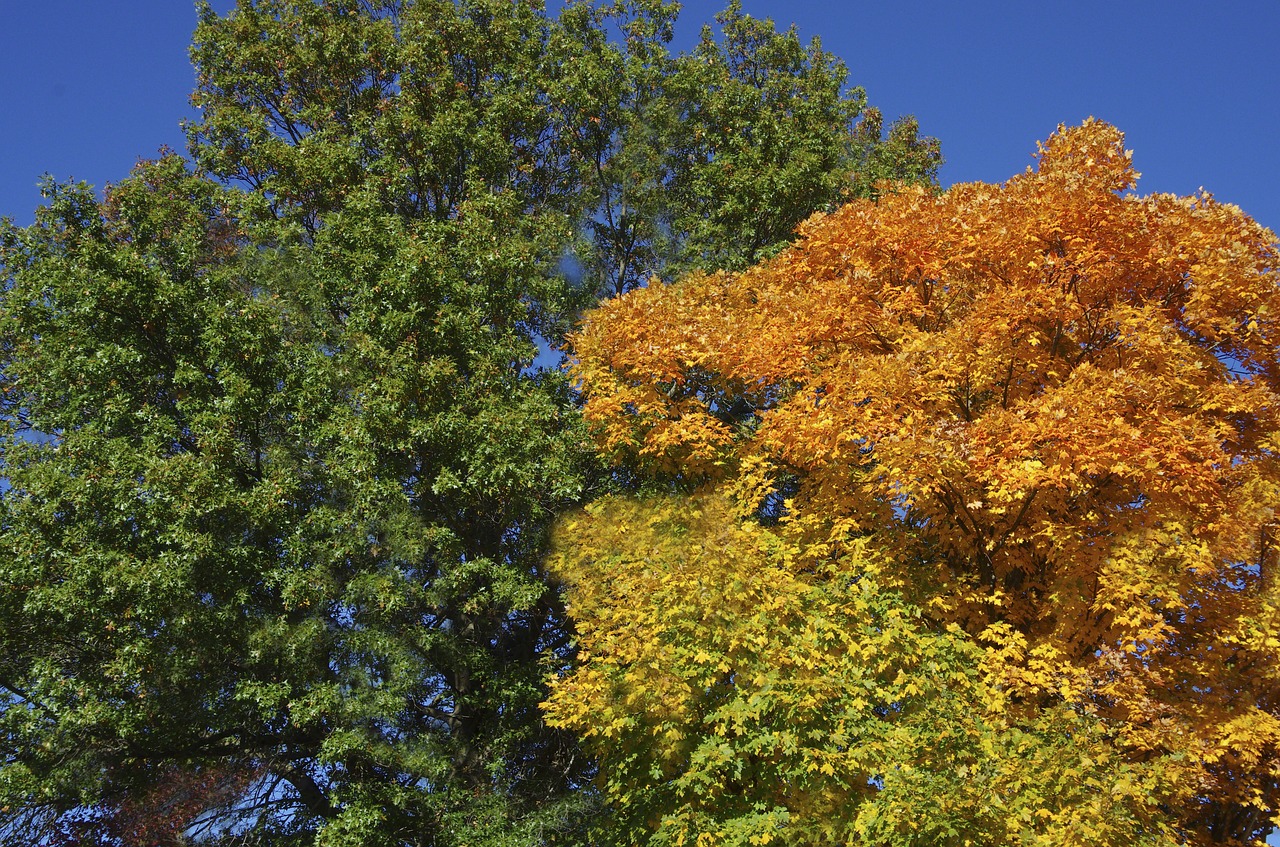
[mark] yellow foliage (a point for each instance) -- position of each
(738, 691)
(1053, 403)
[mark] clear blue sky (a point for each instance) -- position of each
(87, 87)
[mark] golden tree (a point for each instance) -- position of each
(1050, 407)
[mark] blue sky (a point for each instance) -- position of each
(86, 88)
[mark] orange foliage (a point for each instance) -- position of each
(1054, 405)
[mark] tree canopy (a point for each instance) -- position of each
(742, 687)
(644, 163)
(280, 470)
(1048, 408)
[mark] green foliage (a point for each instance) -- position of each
(280, 469)
(767, 135)
(712, 159)
(651, 163)
(289, 516)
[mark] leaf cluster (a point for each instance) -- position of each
(742, 690)
(1051, 403)
(280, 461)
(278, 510)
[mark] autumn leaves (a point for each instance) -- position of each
(1041, 415)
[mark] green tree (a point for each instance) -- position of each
(288, 522)
(712, 159)
(281, 473)
(767, 135)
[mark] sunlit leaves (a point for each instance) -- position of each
(1051, 402)
(739, 691)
